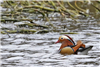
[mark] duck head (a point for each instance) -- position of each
(62, 38)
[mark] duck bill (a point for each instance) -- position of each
(57, 42)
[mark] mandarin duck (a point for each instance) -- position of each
(69, 47)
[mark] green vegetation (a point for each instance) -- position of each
(73, 9)
(18, 11)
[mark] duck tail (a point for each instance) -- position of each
(84, 51)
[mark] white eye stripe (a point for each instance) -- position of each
(64, 37)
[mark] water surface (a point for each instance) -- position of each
(39, 50)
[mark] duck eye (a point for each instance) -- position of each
(61, 38)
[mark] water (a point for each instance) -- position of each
(39, 50)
